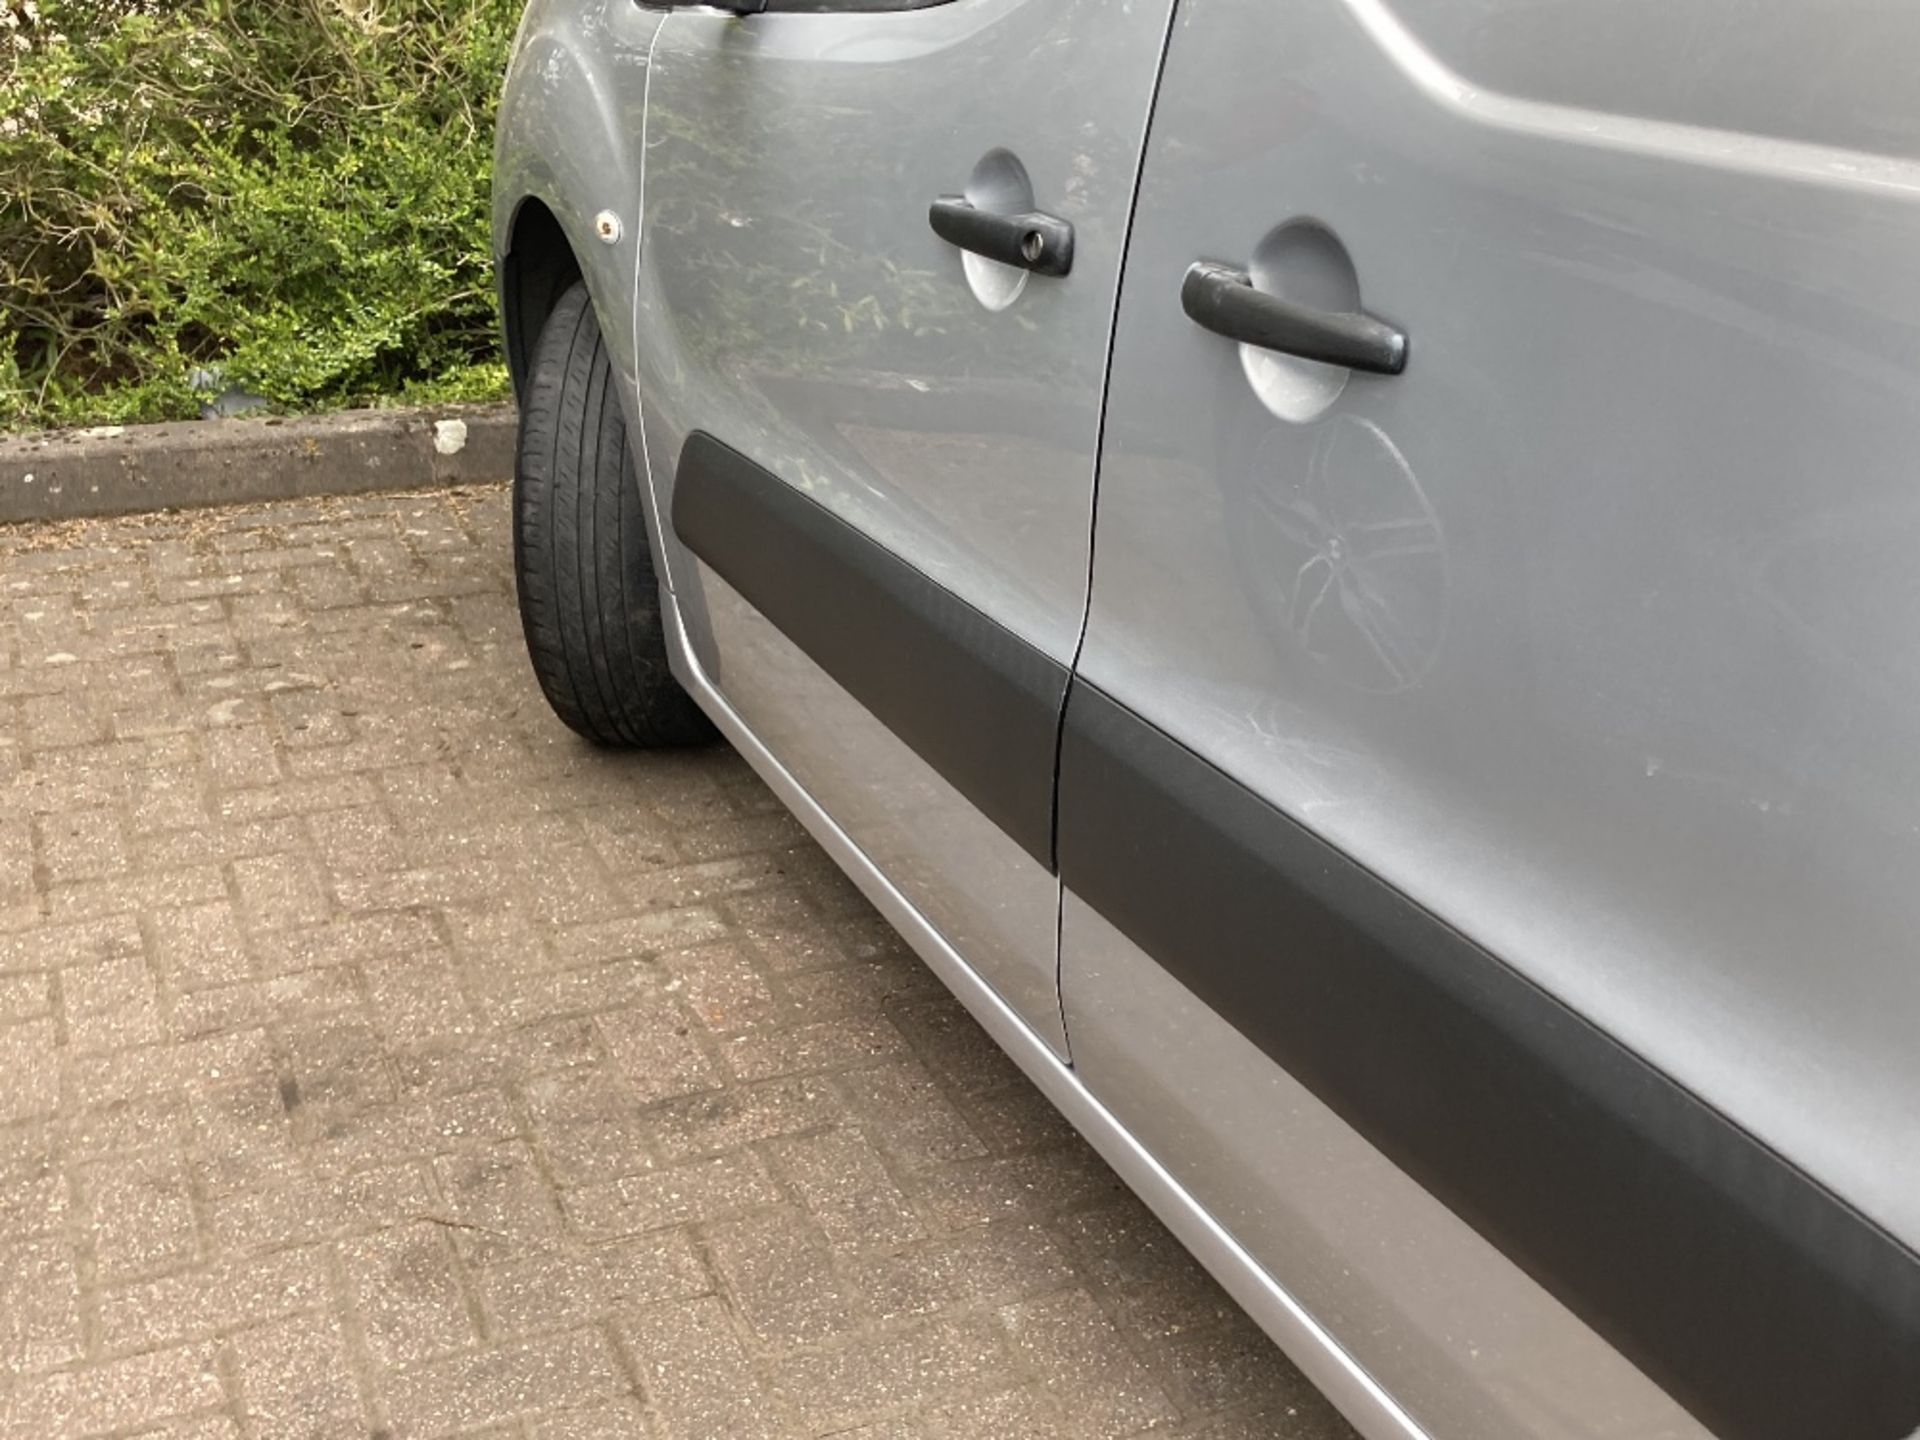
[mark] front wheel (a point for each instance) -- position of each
(589, 597)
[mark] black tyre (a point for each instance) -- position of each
(589, 597)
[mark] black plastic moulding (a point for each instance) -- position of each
(1758, 1299)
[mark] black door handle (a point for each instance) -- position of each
(1224, 301)
(1033, 241)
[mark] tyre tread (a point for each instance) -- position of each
(583, 568)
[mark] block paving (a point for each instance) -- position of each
(377, 1060)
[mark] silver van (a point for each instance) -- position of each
(1348, 573)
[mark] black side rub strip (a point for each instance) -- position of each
(1755, 1297)
(972, 699)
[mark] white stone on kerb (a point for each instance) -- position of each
(450, 436)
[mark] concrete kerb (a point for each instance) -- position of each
(115, 470)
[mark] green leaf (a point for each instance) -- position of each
(200, 181)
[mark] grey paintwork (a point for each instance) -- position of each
(1377, 1414)
(794, 301)
(572, 113)
(1594, 631)
(1621, 679)
(1434, 1313)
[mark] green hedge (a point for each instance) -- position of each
(292, 193)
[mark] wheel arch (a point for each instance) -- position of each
(537, 269)
(566, 202)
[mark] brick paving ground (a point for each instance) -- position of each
(376, 1060)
